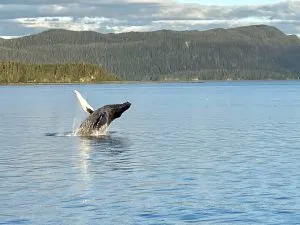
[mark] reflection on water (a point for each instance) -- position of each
(109, 143)
(107, 150)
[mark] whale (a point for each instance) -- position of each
(98, 120)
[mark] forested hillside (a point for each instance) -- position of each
(12, 72)
(252, 52)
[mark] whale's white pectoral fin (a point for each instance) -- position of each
(85, 106)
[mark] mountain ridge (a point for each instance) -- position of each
(86, 37)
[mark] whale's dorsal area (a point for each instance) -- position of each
(84, 104)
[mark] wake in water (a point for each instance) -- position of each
(72, 134)
(64, 134)
(76, 124)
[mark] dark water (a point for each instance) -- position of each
(211, 153)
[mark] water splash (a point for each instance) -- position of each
(75, 132)
(98, 133)
(75, 125)
(101, 132)
(78, 118)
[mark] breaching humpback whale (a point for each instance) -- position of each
(99, 119)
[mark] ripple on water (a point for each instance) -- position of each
(215, 153)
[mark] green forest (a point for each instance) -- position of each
(12, 72)
(243, 53)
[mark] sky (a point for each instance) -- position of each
(24, 17)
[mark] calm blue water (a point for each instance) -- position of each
(208, 153)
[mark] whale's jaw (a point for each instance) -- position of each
(98, 121)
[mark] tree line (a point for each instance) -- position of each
(14, 72)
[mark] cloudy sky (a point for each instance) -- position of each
(24, 17)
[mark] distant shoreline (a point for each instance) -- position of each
(103, 82)
(137, 82)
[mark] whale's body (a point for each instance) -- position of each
(99, 120)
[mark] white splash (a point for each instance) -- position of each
(100, 132)
(75, 126)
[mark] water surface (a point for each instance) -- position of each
(206, 153)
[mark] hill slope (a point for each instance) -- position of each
(252, 52)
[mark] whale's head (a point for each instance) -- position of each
(115, 111)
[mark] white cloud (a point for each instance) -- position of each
(23, 16)
(77, 24)
(57, 8)
(121, 29)
(9, 37)
(243, 21)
